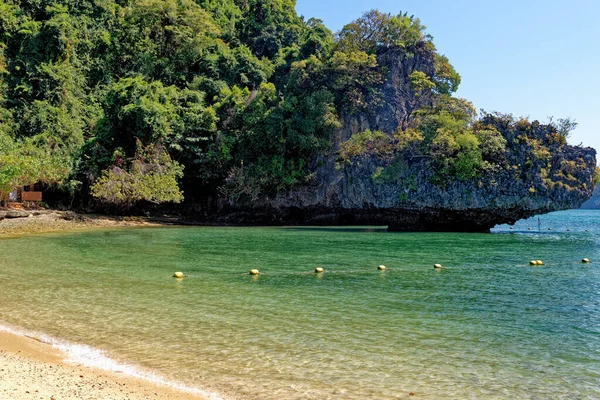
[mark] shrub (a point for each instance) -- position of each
(152, 177)
(367, 142)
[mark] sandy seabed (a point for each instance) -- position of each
(30, 369)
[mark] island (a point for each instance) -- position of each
(231, 112)
(594, 202)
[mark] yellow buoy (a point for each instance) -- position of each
(533, 262)
(437, 266)
(178, 275)
(318, 270)
(381, 268)
(254, 272)
(539, 262)
(585, 260)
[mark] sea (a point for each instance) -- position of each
(486, 326)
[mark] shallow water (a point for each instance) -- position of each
(489, 326)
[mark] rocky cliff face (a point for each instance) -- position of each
(398, 100)
(539, 174)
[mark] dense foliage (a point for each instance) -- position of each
(137, 100)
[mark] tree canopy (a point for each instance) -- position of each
(144, 100)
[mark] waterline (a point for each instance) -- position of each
(91, 357)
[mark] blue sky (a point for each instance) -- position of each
(528, 58)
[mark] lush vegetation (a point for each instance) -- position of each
(147, 100)
(453, 142)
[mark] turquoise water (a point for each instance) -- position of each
(489, 326)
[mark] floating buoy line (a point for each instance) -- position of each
(512, 228)
(541, 263)
(320, 270)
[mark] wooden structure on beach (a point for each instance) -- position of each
(27, 194)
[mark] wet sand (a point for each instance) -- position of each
(33, 370)
(47, 221)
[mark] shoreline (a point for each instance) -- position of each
(32, 369)
(49, 221)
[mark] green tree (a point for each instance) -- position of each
(151, 176)
(419, 81)
(165, 40)
(354, 77)
(135, 109)
(269, 25)
(25, 162)
(376, 31)
(446, 78)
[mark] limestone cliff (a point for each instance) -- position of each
(537, 173)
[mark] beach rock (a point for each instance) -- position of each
(69, 215)
(16, 214)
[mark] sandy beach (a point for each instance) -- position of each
(33, 370)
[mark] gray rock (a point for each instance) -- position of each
(16, 214)
(69, 215)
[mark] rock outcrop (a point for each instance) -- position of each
(539, 174)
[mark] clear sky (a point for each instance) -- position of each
(528, 58)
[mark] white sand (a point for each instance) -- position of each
(33, 370)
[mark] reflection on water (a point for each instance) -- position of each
(487, 326)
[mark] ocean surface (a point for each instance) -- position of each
(488, 326)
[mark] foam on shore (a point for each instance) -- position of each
(92, 357)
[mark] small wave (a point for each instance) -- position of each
(92, 357)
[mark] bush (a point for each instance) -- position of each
(367, 142)
(152, 177)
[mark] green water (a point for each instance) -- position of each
(488, 326)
